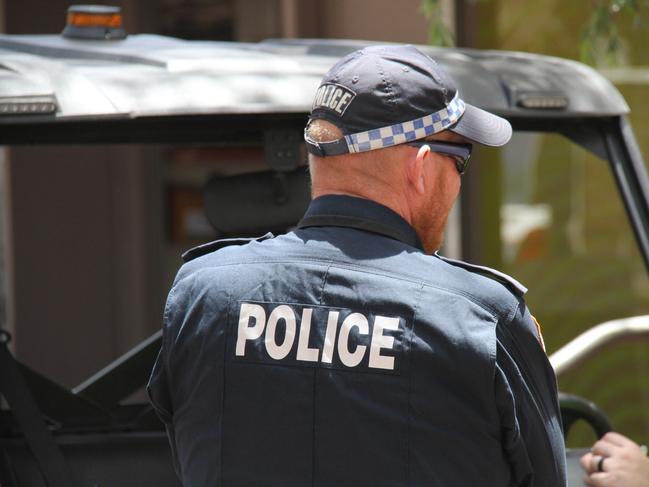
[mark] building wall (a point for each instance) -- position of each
(85, 244)
(384, 20)
(380, 20)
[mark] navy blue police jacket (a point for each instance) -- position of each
(340, 354)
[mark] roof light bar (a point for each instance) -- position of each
(27, 105)
(94, 22)
(543, 101)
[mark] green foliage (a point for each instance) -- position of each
(439, 33)
(601, 42)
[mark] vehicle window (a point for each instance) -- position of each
(94, 235)
(563, 232)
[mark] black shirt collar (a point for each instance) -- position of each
(359, 213)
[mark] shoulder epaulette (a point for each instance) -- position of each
(210, 247)
(501, 277)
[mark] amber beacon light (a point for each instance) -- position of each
(94, 22)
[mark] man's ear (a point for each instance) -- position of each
(416, 169)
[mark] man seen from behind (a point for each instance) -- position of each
(347, 352)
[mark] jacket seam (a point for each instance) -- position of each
(164, 346)
(470, 297)
(226, 342)
(324, 284)
(409, 394)
(315, 380)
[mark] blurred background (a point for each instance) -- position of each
(105, 226)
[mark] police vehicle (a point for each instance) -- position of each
(93, 85)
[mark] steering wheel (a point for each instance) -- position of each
(574, 408)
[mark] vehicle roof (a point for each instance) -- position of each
(156, 76)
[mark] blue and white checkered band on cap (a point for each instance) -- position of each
(396, 134)
(401, 133)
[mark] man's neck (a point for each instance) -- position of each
(384, 198)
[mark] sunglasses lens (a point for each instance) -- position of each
(459, 165)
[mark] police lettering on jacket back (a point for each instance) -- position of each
(308, 335)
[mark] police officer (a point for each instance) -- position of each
(347, 352)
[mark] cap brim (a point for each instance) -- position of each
(483, 127)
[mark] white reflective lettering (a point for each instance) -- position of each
(327, 95)
(247, 332)
(278, 351)
(342, 104)
(334, 98)
(260, 322)
(352, 359)
(379, 341)
(318, 96)
(330, 337)
(303, 351)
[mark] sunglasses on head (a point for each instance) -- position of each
(460, 153)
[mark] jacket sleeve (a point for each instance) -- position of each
(159, 393)
(526, 398)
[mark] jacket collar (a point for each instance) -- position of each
(359, 213)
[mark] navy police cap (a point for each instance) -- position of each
(382, 96)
